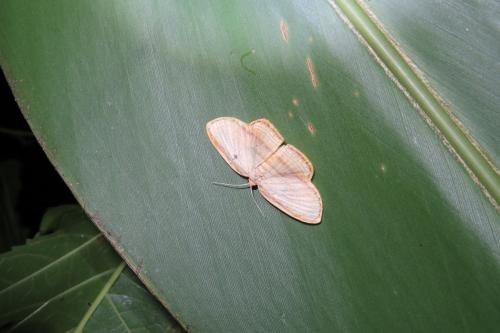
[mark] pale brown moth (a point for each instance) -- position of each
(281, 172)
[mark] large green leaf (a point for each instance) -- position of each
(68, 277)
(119, 92)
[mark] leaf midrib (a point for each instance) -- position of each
(55, 262)
(105, 289)
(115, 310)
(42, 305)
(466, 149)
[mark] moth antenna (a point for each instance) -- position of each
(232, 185)
(255, 201)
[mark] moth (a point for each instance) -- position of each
(280, 171)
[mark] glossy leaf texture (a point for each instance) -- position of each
(53, 283)
(119, 92)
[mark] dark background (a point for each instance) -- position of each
(29, 184)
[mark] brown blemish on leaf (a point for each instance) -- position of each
(284, 30)
(295, 102)
(138, 269)
(43, 145)
(290, 114)
(310, 66)
(97, 221)
(355, 93)
(382, 167)
(311, 128)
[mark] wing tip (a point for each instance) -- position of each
(316, 220)
(215, 120)
(270, 125)
(303, 156)
(210, 125)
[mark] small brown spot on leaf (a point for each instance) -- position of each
(382, 167)
(355, 93)
(284, 30)
(290, 114)
(139, 267)
(295, 102)
(311, 128)
(310, 66)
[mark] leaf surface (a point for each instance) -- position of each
(119, 92)
(50, 283)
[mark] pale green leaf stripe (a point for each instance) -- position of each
(422, 95)
(118, 314)
(52, 264)
(100, 297)
(58, 296)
